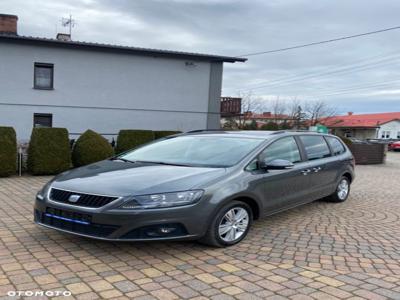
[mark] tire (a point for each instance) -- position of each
(342, 191)
(234, 234)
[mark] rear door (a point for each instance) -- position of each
(323, 165)
(288, 187)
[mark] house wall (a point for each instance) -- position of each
(358, 133)
(107, 92)
(393, 127)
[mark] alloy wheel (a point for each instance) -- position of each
(343, 189)
(233, 224)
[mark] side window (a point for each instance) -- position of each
(315, 146)
(285, 148)
(336, 145)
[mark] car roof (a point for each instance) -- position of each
(258, 134)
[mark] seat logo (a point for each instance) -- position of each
(74, 198)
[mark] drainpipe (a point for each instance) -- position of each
(20, 161)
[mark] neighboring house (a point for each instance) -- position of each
(365, 126)
(267, 117)
(81, 85)
(231, 112)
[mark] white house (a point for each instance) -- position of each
(390, 130)
(366, 126)
(81, 85)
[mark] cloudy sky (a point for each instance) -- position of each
(359, 75)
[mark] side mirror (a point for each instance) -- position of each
(276, 164)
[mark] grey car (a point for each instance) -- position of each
(204, 185)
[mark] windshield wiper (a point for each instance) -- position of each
(163, 163)
(122, 159)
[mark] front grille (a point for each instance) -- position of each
(85, 200)
(69, 222)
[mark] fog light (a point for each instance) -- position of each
(166, 230)
(160, 231)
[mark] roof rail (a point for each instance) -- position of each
(202, 130)
(279, 132)
(292, 130)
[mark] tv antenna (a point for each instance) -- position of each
(68, 22)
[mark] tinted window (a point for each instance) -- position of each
(285, 148)
(336, 146)
(315, 146)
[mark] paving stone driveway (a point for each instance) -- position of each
(318, 251)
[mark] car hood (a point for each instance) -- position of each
(114, 177)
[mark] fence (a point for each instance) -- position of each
(368, 154)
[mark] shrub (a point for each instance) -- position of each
(161, 134)
(346, 140)
(49, 152)
(251, 126)
(128, 139)
(270, 126)
(8, 151)
(89, 148)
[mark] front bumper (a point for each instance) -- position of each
(184, 223)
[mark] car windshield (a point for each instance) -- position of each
(202, 151)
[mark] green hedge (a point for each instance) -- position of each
(89, 148)
(161, 134)
(8, 151)
(49, 151)
(128, 139)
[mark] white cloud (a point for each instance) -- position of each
(235, 27)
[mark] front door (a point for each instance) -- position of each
(288, 187)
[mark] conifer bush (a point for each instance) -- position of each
(8, 151)
(90, 147)
(128, 139)
(49, 151)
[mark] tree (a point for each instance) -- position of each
(250, 104)
(278, 108)
(318, 109)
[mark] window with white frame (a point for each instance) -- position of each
(385, 134)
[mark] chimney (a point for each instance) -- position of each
(65, 37)
(350, 113)
(8, 24)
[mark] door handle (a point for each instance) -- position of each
(306, 171)
(317, 169)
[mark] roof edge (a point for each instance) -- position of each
(118, 48)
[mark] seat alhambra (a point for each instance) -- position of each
(203, 185)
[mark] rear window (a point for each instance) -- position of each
(336, 145)
(315, 146)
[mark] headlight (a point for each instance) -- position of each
(162, 200)
(42, 194)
